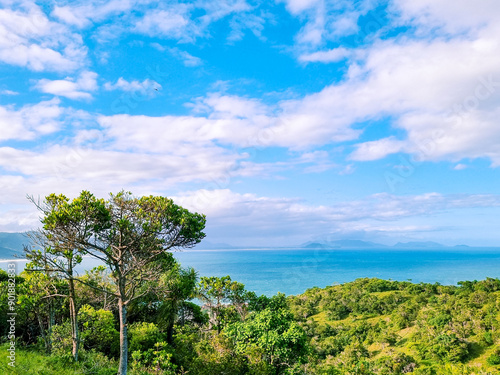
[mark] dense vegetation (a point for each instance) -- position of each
(368, 326)
(136, 312)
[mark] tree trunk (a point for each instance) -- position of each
(42, 332)
(52, 320)
(122, 310)
(170, 333)
(74, 319)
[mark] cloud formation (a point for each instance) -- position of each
(318, 93)
(29, 39)
(69, 87)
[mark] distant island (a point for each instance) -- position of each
(11, 245)
(358, 244)
(341, 244)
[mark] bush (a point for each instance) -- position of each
(400, 363)
(61, 339)
(494, 359)
(154, 361)
(98, 330)
(144, 336)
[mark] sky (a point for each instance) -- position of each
(282, 121)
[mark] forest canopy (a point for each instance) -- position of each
(369, 326)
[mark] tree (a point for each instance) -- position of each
(218, 292)
(167, 294)
(274, 334)
(176, 286)
(128, 234)
(65, 228)
(38, 294)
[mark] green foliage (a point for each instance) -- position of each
(494, 358)
(396, 364)
(61, 338)
(366, 327)
(156, 360)
(225, 299)
(144, 336)
(98, 330)
(273, 333)
(31, 362)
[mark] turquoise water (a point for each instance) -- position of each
(294, 271)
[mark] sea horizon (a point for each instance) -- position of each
(293, 270)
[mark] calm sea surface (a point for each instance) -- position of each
(294, 271)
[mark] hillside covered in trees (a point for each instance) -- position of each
(369, 326)
(143, 313)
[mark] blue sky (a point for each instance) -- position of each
(283, 121)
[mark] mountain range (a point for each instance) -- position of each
(358, 244)
(11, 244)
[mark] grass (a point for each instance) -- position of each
(32, 362)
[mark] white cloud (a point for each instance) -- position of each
(333, 55)
(452, 16)
(299, 6)
(377, 149)
(172, 23)
(96, 169)
(30, 121)
(70, 88)
(146, 86)
(441, 88)
(29, 39)
(178, 20)
(447, 110)
(315, 161)
(325, 21)
(241, 22)
(82, 14)
(187, 59)
(68, 15)
(291, 220)
(8, 92)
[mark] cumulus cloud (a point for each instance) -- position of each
(70, 88)
(325, 21)
(146, 86)
(29, 39)
(30, 121)
(168, 23)
(333, 55)
(185, 57)
(87, 165)
(452, 17)
(8, 92)
(84, 13)
(230, 213)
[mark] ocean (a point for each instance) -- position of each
(292, 271)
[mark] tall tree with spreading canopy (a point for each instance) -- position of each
(61, 250)
(128, 234)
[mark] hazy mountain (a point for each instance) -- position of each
(358, 244)
(11, 244)
(342, 244)
(207, 245)
(419, 245)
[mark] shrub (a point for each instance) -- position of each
(144, 336)
(494, 358)
(98, 330)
